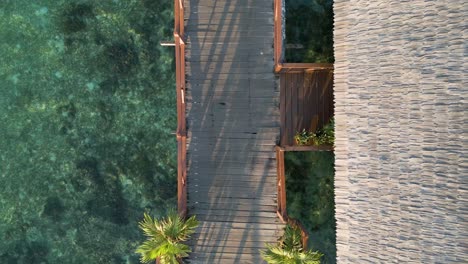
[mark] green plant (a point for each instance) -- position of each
(304, 137)
(324, 136)
(328, 133)
(165, 237)
(289, 250)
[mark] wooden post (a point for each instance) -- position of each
(278, 37)
(181, 176)
(281, 184)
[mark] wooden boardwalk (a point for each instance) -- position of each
(232, 103)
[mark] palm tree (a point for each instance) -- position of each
(165, 237)
(289, 250)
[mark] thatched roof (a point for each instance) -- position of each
(401, 148)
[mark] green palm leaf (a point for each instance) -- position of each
(164, 238)
(289, 250)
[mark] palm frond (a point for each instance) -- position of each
(188, 228)
(165, 237)
(275, 254)
(292, 238)
(149, 250)
(289, 250)
(309, 257)
(149, 226)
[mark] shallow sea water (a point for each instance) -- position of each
(87, 115)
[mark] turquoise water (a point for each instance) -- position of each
(87, 112)
(310, 198)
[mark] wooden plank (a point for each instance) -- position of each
(229, 19)
(232, 131)
(264, 84)
(294, 102)
(237, 180)
(244, 64)
(264, 65)
(239, 227)
(214, 71)
(290, 120)
(230, 244)
(218, 28)
(205, 174)
(231, 248)
(227, 107)
(229, 35)
(230, 155)
(202, 46)
(205, 56)
(238, 9)
(226, 3)
(241, 219)
(233, 185)
(231, 191)
(283, 110)
(223, 257)
(213, 259)
(233, 142)
(246, 180)
(227, 76)
(229, 202)
(207, 9)
(227, 212)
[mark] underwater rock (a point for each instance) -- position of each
(75, 17)
(109, 205)
(54, 208)
(67, 114)
(121, 56)
(89, 169)
(26, 252)
(109, 86)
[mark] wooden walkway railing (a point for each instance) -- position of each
(283, 67)
(280, 64)
(181, 123)
(281, 185)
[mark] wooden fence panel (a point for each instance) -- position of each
(306, 102)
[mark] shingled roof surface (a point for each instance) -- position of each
(401, 148)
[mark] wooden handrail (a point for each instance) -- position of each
(181, 122)
(281, 184)
(301, 67)
(309, 148)
(280, 65)
(281, 188)
(278, 38)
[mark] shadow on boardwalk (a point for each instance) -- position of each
(233, 127)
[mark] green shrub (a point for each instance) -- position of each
(324, 136)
